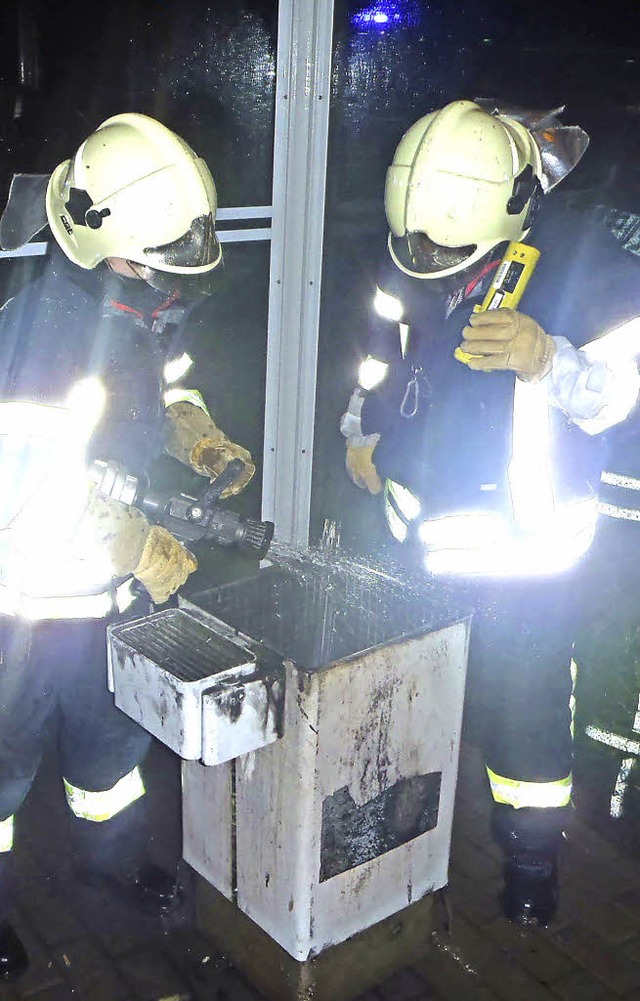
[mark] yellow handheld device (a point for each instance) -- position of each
(507, 288)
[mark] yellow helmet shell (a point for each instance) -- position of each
(133, 189)
(453, 178)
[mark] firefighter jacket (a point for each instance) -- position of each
(72, 330)
(501, 475)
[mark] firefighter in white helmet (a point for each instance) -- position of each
(484, 431)
(136, 191)
(92, 365)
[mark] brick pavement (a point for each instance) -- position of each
(87, 949)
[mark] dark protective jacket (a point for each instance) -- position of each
(460, 437)
(70, 324)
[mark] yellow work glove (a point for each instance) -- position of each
(135, 547)
(164, 564)
(211, 456)
(506, 339)
(361, 469)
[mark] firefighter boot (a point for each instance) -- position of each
(13, 956)
(113, 855)
(531, 839)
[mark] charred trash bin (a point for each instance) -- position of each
(318, 707)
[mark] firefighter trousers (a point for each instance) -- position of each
(53, 684)
(520, 698)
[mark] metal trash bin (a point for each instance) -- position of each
(347, 818)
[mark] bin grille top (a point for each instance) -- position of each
(183, 646)
(315, 610)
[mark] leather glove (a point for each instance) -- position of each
(506, 339)
(164, 564)
(361, 469)
(148, 552)
(211, 456)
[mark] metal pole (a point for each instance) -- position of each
(303, 79)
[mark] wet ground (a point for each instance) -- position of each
(88, 946)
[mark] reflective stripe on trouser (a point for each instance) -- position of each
(99, 806)
(518, 794)
(6, 834)
(555, 793)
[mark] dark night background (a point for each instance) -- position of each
(207, 70)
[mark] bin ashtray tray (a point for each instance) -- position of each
(195, 687)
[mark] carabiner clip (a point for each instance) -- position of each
(411, 399)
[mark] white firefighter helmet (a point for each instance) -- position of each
(137, 191)
(462, 181)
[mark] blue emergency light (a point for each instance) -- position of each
(386, 14)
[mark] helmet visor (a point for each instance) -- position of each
(418, 253)
(198, 248)
(175, 283)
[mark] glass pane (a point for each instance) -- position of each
(206, 71)
(396, 60)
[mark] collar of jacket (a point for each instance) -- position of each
(128, 295)
(475, 288)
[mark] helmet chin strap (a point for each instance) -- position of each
(123, 268)
(463, 282)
